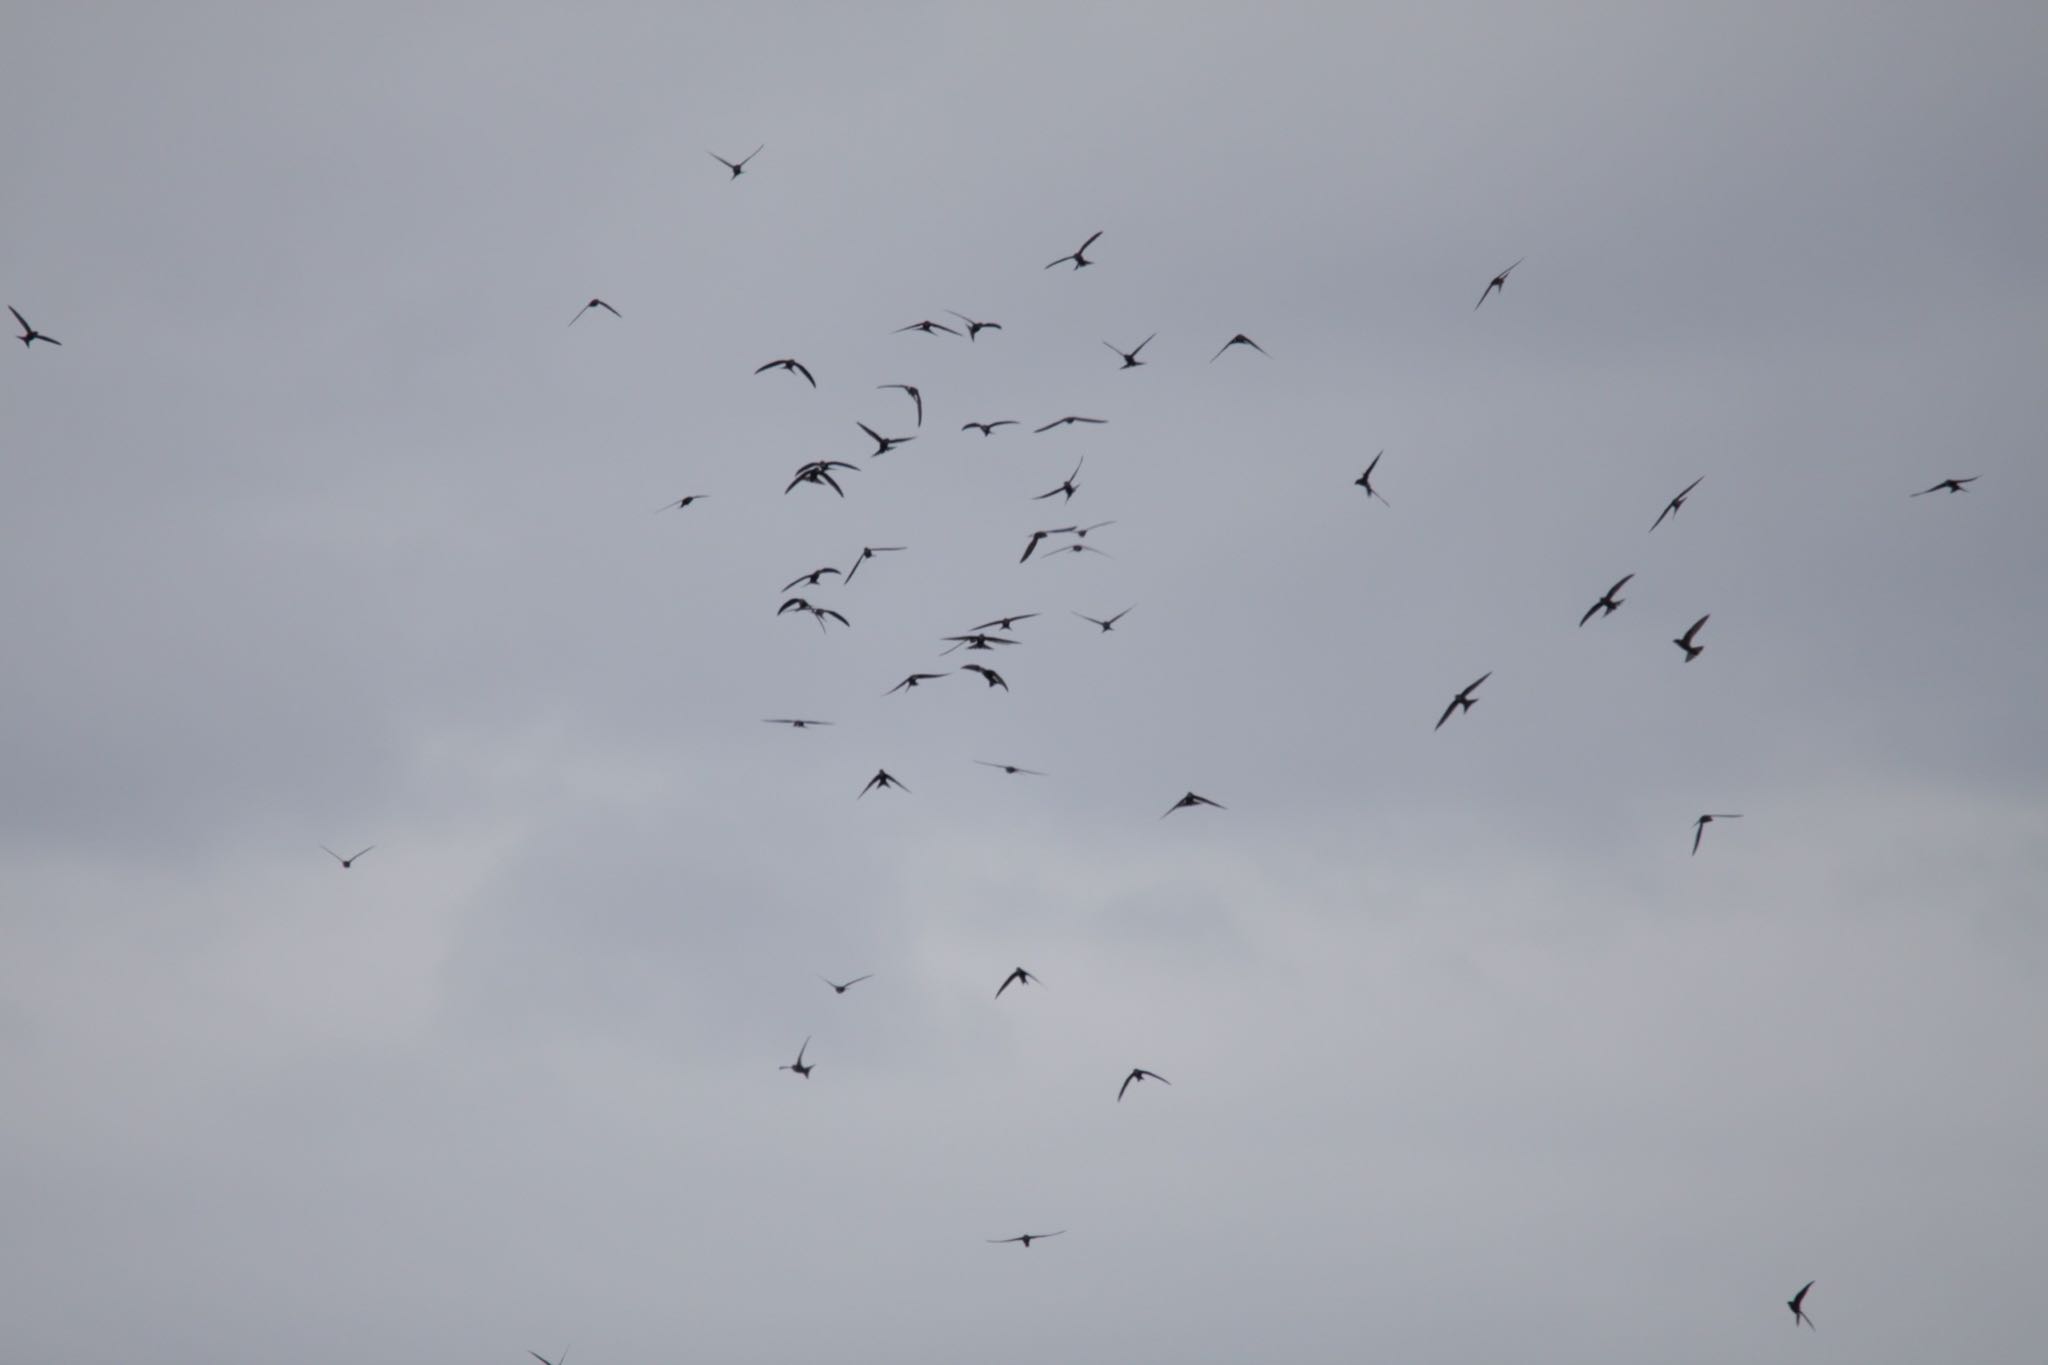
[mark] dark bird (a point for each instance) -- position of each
(1464, 699)
(974, 328)
(868, 552)
(1016, 977)
(820, 472)
(1008, 623)
(1608, 603)
(348, 862)
(1193, 800)
(793, 366)
(1699, 827)
(1131, 361)
(818, 614)
(1010, 768)
(1069, 421)
(1684, 642)
(794, 724)
(839, 988)
(1952, 485)
(1671, 508)
(736, 167)
(915, 397)
(1077, 548)
(1239, 340)
(1066, 486)
(1028, 1238)
(883, 444)
(881, 779)
(1139, 1073)
(1365, 480)
(986, 427)
(928, 327)
(798, 1065)
(811, 578)
(913, 680)
(1079, 258)
(594, 303)
(681, 502)
(30, 336)
(1083, 531)
(545, 1361)
(1498, 284)
(988, 675)
(1110, 624)
(1037, 536)
(1798, 1312)
(975, 641)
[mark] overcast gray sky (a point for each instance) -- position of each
(323, 528)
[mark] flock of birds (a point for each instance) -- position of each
(999, 632)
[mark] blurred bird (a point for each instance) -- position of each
(1799, 1313)
(1671, 508)
(594, 303)
(1079, 258)
(1608, 603)
(1019, 977)
(1952, 485)
(736, 167)
(1684, 642)
(1239, 340)
(1464, 699)
(348, 862)
(30, 336)
(1699, 827)
(1139, 1073)
(1498, 284)
(793, 366)
(1193, 800)
(798, 1065)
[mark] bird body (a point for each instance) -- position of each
(839, 987)
(881, 778)
(1671, 508)
(1796, 1302)
(1239, 340)
(348, 862)
(736, 167)
(30, 336)
(1019, 976)
(1498, 284)
(1699, 827)
(1952, 485)
(1608, 603)
(1078, 257)
(1365, 480)
(1464, 699)
(1684, 642)
(798, 1065)
(1191, 800)
(594, 303)
(1139, 1073)
(1028, 1238)
(1130, 357)
(792, 365)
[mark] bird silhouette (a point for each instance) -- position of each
(927, 326)
(1699, 827)
(1028, 1238)
(794, 724)
(818, 614)
(975, 329)
(594, 303)
(1018, 977)
(1464, 699)
(349, 861)
(839, 987)
(545, 1361)
(681, 502)
(868, 552)
(1671, 508)
(1067, 485)
(1684, 642)
(1365, 480)
(913, 680)
(1952, 485)
(974, 641)
(30, 336)
(1608, 603)
(793, 366)
(1110, 624)
(1010, 768)
(1191, 800)
(810, 578)
(1498, 284)
(915, 397)
(1796, 1302)
(820, 472)
(1070, 421)
(1076, 548)
(988, 675)
(1008, 623)
(987, 427)
(1037, 536)
(736, 167)
(1078, 257)
(882, 778)
(1139, 1073)
(1131, 361)
(798, 1065)
(883, 444)
(1239, 340)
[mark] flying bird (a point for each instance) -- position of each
(1066, 485)
(682, 502)
(1699, 827)
(1019, 976)
(839, 988)
(1069, 421)
(793, 366)
(545, 1361)
(818, 614)
(1608, 603)
(594, 303)
(1671, 508)
(1131, 361)
(868, 552)
(883, 444)
(1010, 768)
(1077, 548)
(988, 675)
(30, 336)
(915, 397)
(1239, 340)
(1037, 536)
(1684, 642)
(974, 328)
(794, 724)
(975, 641)
(913, 680)
(1096, 526)
(1193, 800)
(1952, 485)
(1028, 1238)
(1139, 1073)
(1110, 624)
(798, 1065)
(1008, 623)
(881, 779)
(1498, 284)
(820, 472)
(928, 327)
(1464, 699)
(811, 578)
(736, 167)
(348, 862)
(1365, 480)
(1079, 258)
(1798, 1312)
(986, 427)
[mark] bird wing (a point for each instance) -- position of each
(1480, 679)
(1693, 629)
(361, 854)
(332, 854)
(858, 979)
(607, 308)
(719, 159)
(1446, 715)
(1125, 1086)
(1699, 827)
(1589, 613)
(1090, 242)
(1620, 584)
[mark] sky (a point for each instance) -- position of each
(323, 527)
